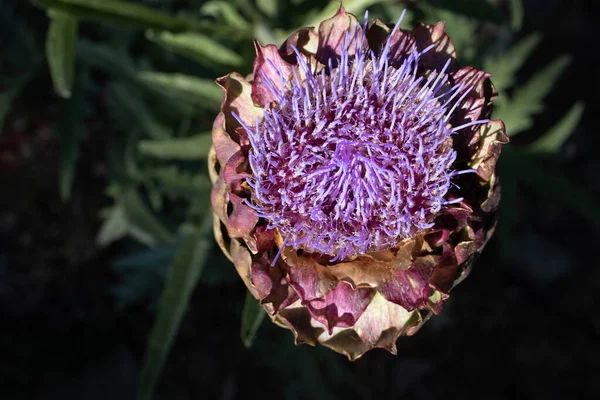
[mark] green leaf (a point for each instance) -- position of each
(252, 316)
(117, 63)
(122, 13)
(176, 183)
(143, 224)
(130, 110)
(182, 276)
(226, 13)
(130, 216)
(71, 131)
(114, 227)
(477, 9)
(269, 7)
(197, 47)
(189, 148)
(107, 59)
(60, 51)
(527, 100)
(504, 67)
(460, 28)
(393, 10)
(197, 92)
(517, 13)
(552, 141)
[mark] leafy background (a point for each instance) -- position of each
(111, 286)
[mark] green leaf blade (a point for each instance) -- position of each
(106, 59)
(269, 7)
(517, 14)
(226, 13)
(182, 276)
(121, 13)
(553, 140)
(114, 227)
(71, 131)
(197, 47)
(128, 108)
(527, 101)
(504, 67)
(142, 221)
(60, 51)
(252, 317)
(186, 89)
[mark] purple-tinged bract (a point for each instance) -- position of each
(356, 179)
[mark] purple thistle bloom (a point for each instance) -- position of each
(354, 179)
(355, 158)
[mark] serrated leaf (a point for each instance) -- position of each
(527, 100)
(189, 148)
(182, 276)
(143, 223)
(553, 140)
(129, 108)
(252, 316)
(504, 67)
(197, 92)
(476, 9)
(122, 13)
(60, 51)
(197, 47)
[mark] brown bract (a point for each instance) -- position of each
(367, 301)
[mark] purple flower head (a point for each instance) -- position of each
(354, 158)
(354, 179)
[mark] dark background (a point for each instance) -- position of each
(527, 328)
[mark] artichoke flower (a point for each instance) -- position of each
(354, 179)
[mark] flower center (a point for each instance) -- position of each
(356, 157)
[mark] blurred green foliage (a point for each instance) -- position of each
(153, 65)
